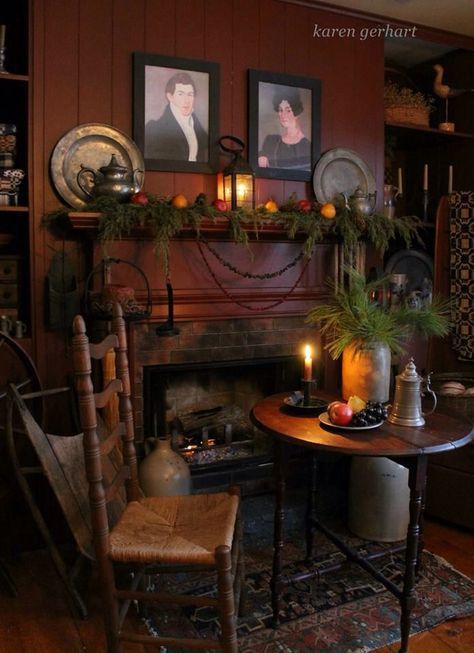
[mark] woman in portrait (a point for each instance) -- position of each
(291, 149)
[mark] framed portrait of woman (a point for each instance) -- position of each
(284, 125)
(176, 112)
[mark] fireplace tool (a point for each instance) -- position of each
(168, 328)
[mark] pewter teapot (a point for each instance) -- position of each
(409, 388)
(113, 180)
(362, 202)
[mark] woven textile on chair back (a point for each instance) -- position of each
(462, 272)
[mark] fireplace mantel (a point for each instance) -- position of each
(196, 293)
(86, 223)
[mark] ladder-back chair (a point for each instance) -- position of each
(195, 532)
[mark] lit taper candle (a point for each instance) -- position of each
(308, 364)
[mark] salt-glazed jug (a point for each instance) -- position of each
(163, 472)
(114, 180)
(409, 388)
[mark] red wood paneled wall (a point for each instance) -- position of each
(82, 72)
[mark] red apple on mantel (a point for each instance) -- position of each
(340, 413)
(304, 205)
(220, 205)
(139, 198)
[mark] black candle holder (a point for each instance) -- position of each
(302, 403)
(306, 385)
(426, 200)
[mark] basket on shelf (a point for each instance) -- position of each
(411, 115)
(454, 404)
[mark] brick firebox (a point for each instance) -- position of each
(238, 339)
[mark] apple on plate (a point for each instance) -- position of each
(340, 413)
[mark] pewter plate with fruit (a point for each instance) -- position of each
(324, 419)
(356, 414)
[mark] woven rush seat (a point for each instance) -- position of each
(175, 530)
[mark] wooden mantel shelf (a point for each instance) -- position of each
(86, 223)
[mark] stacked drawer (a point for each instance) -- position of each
(9, 292)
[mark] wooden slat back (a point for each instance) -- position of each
(98, 350)
(111, 389)
(113, 490)
(112, 440)
(108, 466)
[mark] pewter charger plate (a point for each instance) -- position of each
(324, 419)
(91, 145)
(341, 171)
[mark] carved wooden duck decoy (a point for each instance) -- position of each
(443, 90)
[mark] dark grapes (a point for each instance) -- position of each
(373, 413)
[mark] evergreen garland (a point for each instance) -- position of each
(166, 221)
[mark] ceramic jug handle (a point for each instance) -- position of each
(81, 182)
(149, 445)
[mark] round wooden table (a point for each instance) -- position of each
(408, 446)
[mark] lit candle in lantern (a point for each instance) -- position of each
(450, 180)
(425, 177)
(308, 364)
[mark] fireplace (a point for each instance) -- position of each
(204, 407)
(217, 366)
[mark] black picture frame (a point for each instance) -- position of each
(163, 143)
(266, 92)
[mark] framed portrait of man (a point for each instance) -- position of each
(176, 112)
(284, 125)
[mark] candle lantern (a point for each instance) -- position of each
(238, 177)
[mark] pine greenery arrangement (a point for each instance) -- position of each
(164, 221)
(351, 317)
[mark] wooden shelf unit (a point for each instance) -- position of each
(15, 109)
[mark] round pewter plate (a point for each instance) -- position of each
(324, 419)
(91, 145)
(341, 171)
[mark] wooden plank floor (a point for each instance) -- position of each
(40, 619)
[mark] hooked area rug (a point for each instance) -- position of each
(343, 611)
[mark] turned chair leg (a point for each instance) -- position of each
(226, 605)
(110, 609)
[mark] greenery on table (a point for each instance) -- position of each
(166, 221)
(352, 316)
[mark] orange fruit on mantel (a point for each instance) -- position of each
(328, 211)
(271, 206)
(179, 201)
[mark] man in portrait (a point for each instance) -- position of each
(177, 134)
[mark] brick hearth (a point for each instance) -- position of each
(216, 341)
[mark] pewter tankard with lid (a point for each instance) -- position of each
(409, 387)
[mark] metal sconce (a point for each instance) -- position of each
(238, 177)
